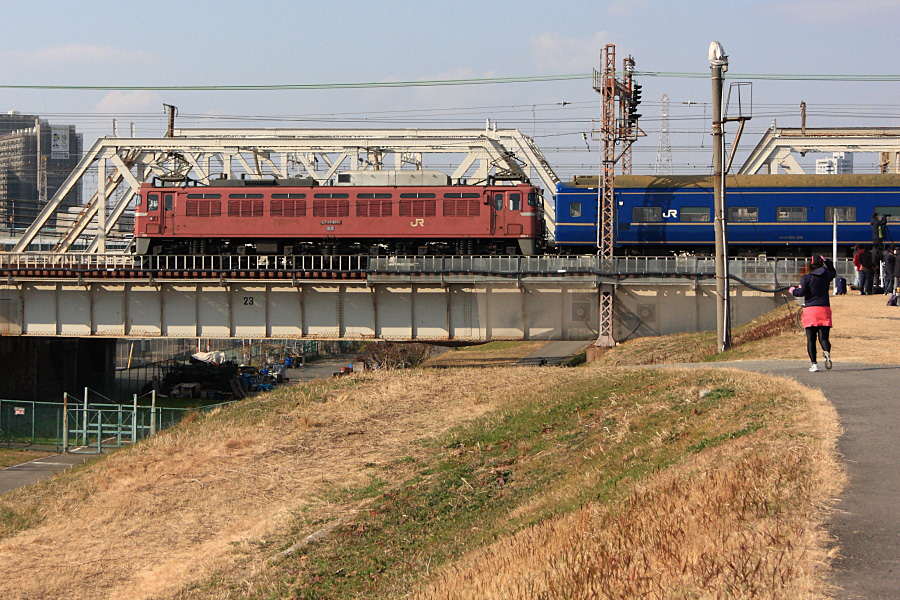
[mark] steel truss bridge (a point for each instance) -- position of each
(122, 164)
(416, 298)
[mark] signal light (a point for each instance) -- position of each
(633, 115)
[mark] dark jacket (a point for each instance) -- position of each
(890, 263)
(815, 285)
(865, 259)
(878, 226)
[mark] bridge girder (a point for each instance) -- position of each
(259, 153)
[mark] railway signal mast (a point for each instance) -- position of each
(617, 128)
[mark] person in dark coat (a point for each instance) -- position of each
(866, 270)
(878, 228)
(896, 268)
(890, 263)
(816, 320)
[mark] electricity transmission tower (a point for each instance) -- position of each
(664, 151)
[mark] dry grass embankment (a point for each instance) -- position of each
(572, 481)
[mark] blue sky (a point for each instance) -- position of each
(281, 42)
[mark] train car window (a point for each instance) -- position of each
(288, 196)
(331, 208)
(743, 214)
(246, 196)
(287, 207)
(245, 208)
(418, 195)
(170, 200)
(532, 199)
(137, 203)
(515, 201)
(498, 201)
(695, 214)
(891, 212)
(462, 195)
(202, 196)
(152, 201)
(332, 195)
(574, 209)
(844, 213)
(791, 214)
(380, 196)
(646, 214)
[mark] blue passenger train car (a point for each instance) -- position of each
(783, 215)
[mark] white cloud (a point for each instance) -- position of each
(129, 102)
(75, 54)
(839, 11)
(556, 54)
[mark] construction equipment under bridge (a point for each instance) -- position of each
(427, 299)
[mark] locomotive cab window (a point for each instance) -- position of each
(891, 212)
(743, 214)
(169, 201)
(844, 213)
(152, 201)
(532, 199)
(694, 214)
(515, 201)
(498, 201)
(790, 214)
(646, 214)
(574, 209)
(137, 203)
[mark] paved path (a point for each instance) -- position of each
(867, 521)
(37, 470)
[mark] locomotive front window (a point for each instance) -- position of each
(498, 201)
(574, 209)
(791, 214)
(891, 212)
(137, 203)
(743, 214)
(646, 214)
(532, 199)
(152, 201)
(515, 201)
(694, 214)
(844, 213)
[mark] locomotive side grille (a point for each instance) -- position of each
(203, 208)
(462, 207)
(245, 208)
(288, 208)
(373, 208)
(331, 208)
(418, 208)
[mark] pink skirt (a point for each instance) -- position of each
(816, 316)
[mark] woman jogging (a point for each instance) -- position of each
(817, 310)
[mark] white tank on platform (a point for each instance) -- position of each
(392, 177)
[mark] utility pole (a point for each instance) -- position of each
(173, 110)
(718, 61)
(614, 130)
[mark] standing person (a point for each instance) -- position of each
(866, 270)
(816, 319)
(896, 272)
(878, 226)
(857, 250)
(890, 263)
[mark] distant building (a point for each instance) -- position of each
(28, 181)
(840, 162)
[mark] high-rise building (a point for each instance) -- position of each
(35, 159)
(840, 162)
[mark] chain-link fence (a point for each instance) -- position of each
(78, 426)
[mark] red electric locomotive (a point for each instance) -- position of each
(369, 212)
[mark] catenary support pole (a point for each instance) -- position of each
(719, 64)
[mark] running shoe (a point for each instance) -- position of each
(814, 368)
(828, 360)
